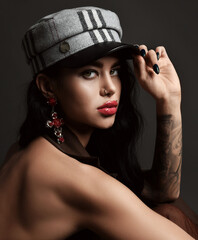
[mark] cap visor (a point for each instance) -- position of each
(92, 53)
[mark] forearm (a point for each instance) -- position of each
(166, 168)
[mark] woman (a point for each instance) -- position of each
(74, 173)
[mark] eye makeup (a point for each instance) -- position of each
(95, 71)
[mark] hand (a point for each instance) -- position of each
(163, 85)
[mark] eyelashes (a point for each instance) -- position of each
(86, 73)
(91, 73)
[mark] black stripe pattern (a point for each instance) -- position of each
(93, 37)
(91, 16)
(92, 22)
(82, 20)
(101, 18)
(111, 35)
(94, 26)
(102, 35)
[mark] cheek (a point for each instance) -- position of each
(119, 87)
(78, 97)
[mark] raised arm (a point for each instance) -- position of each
(162, 181)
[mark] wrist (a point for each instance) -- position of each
(168, 106)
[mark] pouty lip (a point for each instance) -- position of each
(110, 103)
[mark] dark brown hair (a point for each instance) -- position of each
(115, 146)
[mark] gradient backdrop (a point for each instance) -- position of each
(173, 24)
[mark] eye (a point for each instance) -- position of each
(115, 72)
(89, 73)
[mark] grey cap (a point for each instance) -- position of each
(77, 36)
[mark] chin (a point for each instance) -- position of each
(106, 124)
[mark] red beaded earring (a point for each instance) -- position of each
(55, 122)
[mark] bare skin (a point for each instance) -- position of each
(47, 202)
(165, 174)
(162, 181)
(81, 92)
(40, 183)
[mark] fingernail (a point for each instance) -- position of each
(136, 50)
(157, 53)
(156, 68)
(143, 53)
(136, 46)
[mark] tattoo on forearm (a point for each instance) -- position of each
(168, 154)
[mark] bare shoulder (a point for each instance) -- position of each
(92, 198)
(73, 181)
(83, 187)
(55, 181)
(47, 163)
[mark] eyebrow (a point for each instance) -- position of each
(100, 64)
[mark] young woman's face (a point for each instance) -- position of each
(82, 92)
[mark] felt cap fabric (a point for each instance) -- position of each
(77, 36)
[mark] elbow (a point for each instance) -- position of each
(175, 196)
(168, 197)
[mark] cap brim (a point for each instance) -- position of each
(92, 53)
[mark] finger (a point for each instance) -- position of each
(161, 51)
(140, 67)
(151, 60)
(143, 50)
(158, 55)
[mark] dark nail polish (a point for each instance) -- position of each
(143, 53)
(157, 53)
(136, 46)
(136, 49)
(156, 68)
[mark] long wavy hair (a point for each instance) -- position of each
(116, 146)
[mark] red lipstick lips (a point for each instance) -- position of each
(108, 108)
(109, 104)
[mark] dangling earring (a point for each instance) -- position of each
(55, 122)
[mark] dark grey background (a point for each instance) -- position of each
(169, 23)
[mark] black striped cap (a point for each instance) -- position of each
(77, 36)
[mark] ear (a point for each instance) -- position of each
(44, 84)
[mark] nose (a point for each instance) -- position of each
(108, 84)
